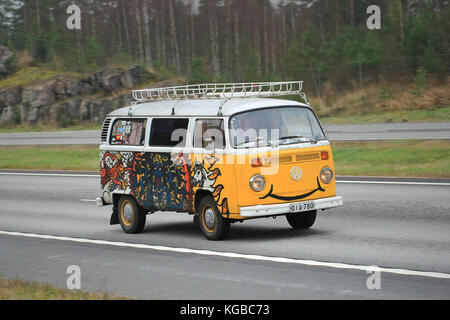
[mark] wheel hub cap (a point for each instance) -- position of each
(210, 218)
(128, 212)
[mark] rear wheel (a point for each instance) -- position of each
(131, 215)
(212, 224)
(301, 220)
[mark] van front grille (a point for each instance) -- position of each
(274, 160)
(105, 128)
(307, 157)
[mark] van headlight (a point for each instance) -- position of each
(326, 175)
(257, 183)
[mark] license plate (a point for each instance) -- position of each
(302, 206)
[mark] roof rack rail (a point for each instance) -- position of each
(220, 91)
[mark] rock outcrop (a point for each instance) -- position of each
(64, 101)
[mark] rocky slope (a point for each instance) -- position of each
(60, 100)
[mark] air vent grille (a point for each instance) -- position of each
(105, 128)
(307, 157)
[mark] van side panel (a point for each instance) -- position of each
(211, 173)
(158, 181)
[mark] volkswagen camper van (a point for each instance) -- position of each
(223, 153)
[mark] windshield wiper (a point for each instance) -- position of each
(299, 137)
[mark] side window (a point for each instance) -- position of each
(128, 132)
(168, 132)
(209, 134)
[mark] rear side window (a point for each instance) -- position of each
(128, 132)
(168, 132)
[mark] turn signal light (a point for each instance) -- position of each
(256, 163)
(324, 155)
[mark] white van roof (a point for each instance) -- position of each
(206, 107)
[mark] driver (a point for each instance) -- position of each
(276, 123)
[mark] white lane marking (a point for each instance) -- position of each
(234, 255)
(49, 174)
(87, 200)
(337, 181)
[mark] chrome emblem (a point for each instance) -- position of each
(296, 173)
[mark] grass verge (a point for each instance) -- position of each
(400, 158)
(77, 158)
(22, 290)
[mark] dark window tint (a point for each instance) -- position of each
(168, 132)
(128, 132)
(209, 134)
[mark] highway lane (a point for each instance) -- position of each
(403, 226)
(50, 138)
(336, 132)
(388, 131)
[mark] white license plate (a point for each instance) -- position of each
(302, 206)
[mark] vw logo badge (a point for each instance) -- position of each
(296, 173)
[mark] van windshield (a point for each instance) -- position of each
(274, 126)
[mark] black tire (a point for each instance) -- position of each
(131, 215)
(301, 220)
(212, 224)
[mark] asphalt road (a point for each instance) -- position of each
(337, 132)
(395, 225)
(388, 131)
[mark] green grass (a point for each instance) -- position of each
(33, 75)
(22, 290)
(78, 158)
(408, 158)
(432, 115)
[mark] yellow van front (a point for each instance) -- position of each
(304, 177)
(293, 174)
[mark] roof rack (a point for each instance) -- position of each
(220, 91)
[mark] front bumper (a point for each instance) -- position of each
(283, 208)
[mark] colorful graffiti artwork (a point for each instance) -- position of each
(159, 181)
(205, 178)
(116, 169)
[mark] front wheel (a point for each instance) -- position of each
(212, 224)
(131, 215)
(301, 220)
